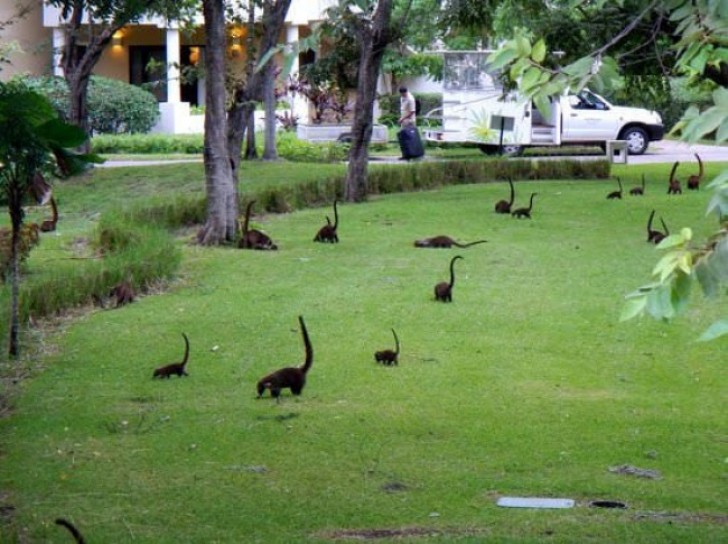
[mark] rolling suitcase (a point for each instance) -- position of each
(410, 143)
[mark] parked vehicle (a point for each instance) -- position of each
(477, 109)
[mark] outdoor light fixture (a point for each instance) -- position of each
(116, 39)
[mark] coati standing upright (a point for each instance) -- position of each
(77, 536)
(695, 179)
(40, 190)
(293, 378)
(638, 190)
(673, 187)
(251, 238)
(655, 236)
(49, 225)
(616, 194)
(387, 356)
(175, 368)
(524, 212)
(503, 206)
(443, 241)
(443, 290)
(327, 233)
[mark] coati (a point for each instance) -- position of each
(78, 537)
(40, 190)
(293, 378)
(387, 356)
(503, 206)
(49, 225)
(655, 236)
(327, 233)
(123, 293)
(673, 187)
(443, 290)
(638, 190)
(524, 212)
(443, 241)
(175, 368)
(695, 179)
(253, 239)
(616, 194)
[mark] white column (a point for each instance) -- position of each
(59, 41)
(173, 61)
(299, 104)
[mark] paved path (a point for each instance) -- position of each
(659, 152)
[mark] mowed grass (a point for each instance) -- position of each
(526, 385)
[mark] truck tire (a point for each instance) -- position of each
(637, 140)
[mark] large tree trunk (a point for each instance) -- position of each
(222, 205)
(15, 207)
(373, 41)
(240, 116)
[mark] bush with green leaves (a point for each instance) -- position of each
(389, 105)
(114, 106)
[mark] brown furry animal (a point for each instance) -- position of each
(251, 238)
(524, 212)
(443, 290)
(655, 236)
(123, 293)
(443, 241)
(616, 194)
(674, 187)
(175, 368)
(387, 356)
(694, 180)
(293, 378)
(504, 206)
(636, 191)
(40, 190)
(49, 225)
(327, 233)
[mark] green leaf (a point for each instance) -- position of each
(719, 328)
(59, 133)
(538, 53)
(633, 307)
(502, 57)
(680, 293)
(580, 68)
(659, 303)
(523, 46)
(708, 281)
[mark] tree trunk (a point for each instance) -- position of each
(372, 41)
(241, 114)
(15, 207)
(222, 205)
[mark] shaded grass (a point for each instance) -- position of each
(525, 385)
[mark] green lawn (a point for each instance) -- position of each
(526, 385)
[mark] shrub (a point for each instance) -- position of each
(149, 143)
(389, 105)
(114, 106)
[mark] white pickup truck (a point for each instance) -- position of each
(475, 109)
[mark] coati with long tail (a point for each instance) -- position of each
(616, 194)
(77, 536)
(49, 225)
(443, 241)
(327, 233)
(443, 290)
(387, 356)
(524, 212)
(636, 191)
(251, 238)
(655, 236)
(40, 190)
(175, 368)
(695, 179)
(674, 187)
(293, 378)
(504, 206)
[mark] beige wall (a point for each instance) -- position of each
(34, 40)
